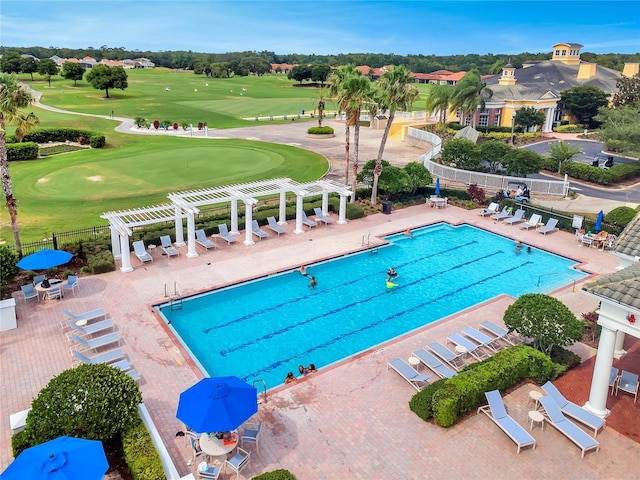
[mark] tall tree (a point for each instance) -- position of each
(13, 97)
(29, 65)
(628, 92)
(583, 102)
(470, 94)
(438, 100)
(10, 62)
(47, 68)
(337, 81)
(72, 71)
(529, 116)
(103, 77)
(398, 92)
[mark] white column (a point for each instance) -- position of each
(234, 217)
(125, 253)
(282, 213)
(342, 215)
(619, 351)
(299, 228)
(602, 369)
(325, 203)
(179, 230)
(548, 119)
(248, 218)
(115, 243)
(191, 236)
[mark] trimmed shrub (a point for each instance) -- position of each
(8, 269)
(279, 474)
(320, 130)
(422, 402)
(97, 141)
(102, 262)
(140, 453)
(620, 216)
(22, 151)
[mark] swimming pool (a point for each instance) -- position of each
(264, 328)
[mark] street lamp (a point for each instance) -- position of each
(513, 125)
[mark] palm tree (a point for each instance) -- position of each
(397, 92)
(470, 94)
(358, 87)
(12, 98)
(438, 100)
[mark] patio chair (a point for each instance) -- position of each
(555, 418)
(307, 222)
(251, 434)
(196, 451)
(533, 222)
(471, 348)
(320, 216)
(167, 247)
(434, 363)
(549, 227)
(95, 343)
(38, 279)
(239, 460)
(409, 373)
(505, 213)
(613, 379)
(501, 333)
(29, 292)
(628, 382)
(497, 412)
(141, 252)
(91, 329)
(54, 292)
(72, 284)
(257, 231)
(224, 233)
(484, 340)
(490, 210)
(574, 411)
(273, 226)
(452, 358)
(517, 218)
(105, 357)
(208, 472)
(202, 240)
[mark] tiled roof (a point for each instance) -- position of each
(622, 287)
(628, 243)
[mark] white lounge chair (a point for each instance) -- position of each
(141, 252)
(167, 247)
(92, 328)
(90, 315)
(257, 231)
(497, 412)
(106, 357)
(434, 364)
(533, 222)
(320, 216)
(452, 358)
(224, 233)
(505, 213)
(501, 333)
(471, 348)
(574, 411)
(484, 340)
(95, 343)
(549, 227)
(517, 218)
(202, 240)
(307, 222)
(273, 226)
(406, 371)
(490, 210)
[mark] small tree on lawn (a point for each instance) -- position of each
(104, 77)
(545, 319)
(419, 176)
(72, 71)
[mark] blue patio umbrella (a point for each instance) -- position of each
(437, 192)
(217, 404)
(64, 458)
(598, 225)
(44, 259)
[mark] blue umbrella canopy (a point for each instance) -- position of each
(64, 458)
(44, 259)
(598, 225)
(437, 192)
(217, 404)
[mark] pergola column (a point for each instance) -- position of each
(342, 215)
(234, 217)
(115, 243)
(299, 206)
(601, 371)
(619, 351)
(179, 230)
(325, 203)
(191, 236)
(125, 253)
(248, 219)
(282, 213)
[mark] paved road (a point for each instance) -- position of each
(588, 148)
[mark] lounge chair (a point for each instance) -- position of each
(409, 373)
(517, 217)
(29, 292)
(126, 368)
(141, 252)
(106, 357)
(98, 342)
(556, 419)
(501, 333)
(505, 213)
(471, 348)
(307, 222)
(481, 338)
(257, 231)
(628, 382)
(167, 247)
(90, 315)
(202, 240)
(434, 364)
(320, 216)
(224, 233)
(533, 222)
(92, 328)
(273, 226)
(549, 227)
(453, 359)
(497, 412)
(575, 411)
(490, 210)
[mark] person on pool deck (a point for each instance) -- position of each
(391, 273)
(290, 378)
(313, 282)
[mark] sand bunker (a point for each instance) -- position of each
(95, 178)
(43, 180)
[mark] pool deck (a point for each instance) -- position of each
(350, 420)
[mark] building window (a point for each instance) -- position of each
(557, 53)
(467, 121)
(483, 121)
(564, 53)
(497, 119)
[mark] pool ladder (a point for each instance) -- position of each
(366, 242)
(264, 390)
(175, 297)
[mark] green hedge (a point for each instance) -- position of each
(22, 151)
(96, 139)
(320, 130)
(448, 399)
(140, 453)
(618, 173)
(280, 474)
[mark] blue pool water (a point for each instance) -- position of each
(265, 328)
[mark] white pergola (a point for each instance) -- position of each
(185, 205)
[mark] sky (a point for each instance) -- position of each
(324, 27)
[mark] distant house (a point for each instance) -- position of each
(439, 77)
(143, 63)
(281, 67)
(88, 62)
(26, 55)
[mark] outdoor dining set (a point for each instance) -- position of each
(49, 288)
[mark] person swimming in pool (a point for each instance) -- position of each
(390, 285)
(302, 370)
(391, 273)
(313, 282)
(290, 378)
